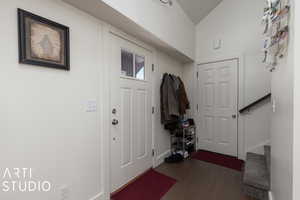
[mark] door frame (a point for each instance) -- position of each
(240, 98)
(107, 32)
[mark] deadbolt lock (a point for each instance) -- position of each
(115, 122)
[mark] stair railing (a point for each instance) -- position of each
(247, 108)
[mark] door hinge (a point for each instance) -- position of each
(197, 140)
(153, 152)
(197, 75)
(152, 67)
(197, 107)
(153, 110)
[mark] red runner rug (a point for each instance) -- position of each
(150, 186)
(219, 159)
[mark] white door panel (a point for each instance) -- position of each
(131, 137)
(126, 135)
(218, 101)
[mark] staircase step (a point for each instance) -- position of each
(256, 172)
(256, 177)
(268, 156)
(255, 192)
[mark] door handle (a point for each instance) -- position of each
(233, 116)
(115, 122)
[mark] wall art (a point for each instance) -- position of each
(43, 42)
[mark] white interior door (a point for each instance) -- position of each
(218, 84)
(131, 129)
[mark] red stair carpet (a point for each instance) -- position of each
(150, 186)
(219, 159)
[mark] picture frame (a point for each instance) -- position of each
(43, 42)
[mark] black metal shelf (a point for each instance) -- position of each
(180, 139)
(255, 103)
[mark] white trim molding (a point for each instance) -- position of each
(161, 158)
(271, 197)
(99, 196)
(105, 138)
(259, 149)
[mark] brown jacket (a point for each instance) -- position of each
(174, 101)
(184, 103)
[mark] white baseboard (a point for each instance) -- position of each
(161, 158)
(99, 196)
(259, 149)
(271, 196)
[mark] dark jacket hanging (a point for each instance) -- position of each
(174, 101)
(184, 103)
(168, 98)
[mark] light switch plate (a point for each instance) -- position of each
(91, 105)
(217, 44)
(273, 105)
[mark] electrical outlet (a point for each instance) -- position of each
(64, 192)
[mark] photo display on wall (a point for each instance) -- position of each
(43, 42)
(276, 31)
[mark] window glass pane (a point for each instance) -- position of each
(127, 63)
(139, 67)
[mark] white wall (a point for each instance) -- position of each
(44, 123)
(238, 25)
(170, 24)
(296, 139)
(257, 123)
(282, 123)
(165, 64)
(189, 78)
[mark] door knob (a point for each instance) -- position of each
(115, 122)
(233, 116)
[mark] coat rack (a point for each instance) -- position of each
(276, 31)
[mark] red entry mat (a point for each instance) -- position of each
(150, 186)
(219, 159)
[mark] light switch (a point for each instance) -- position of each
(273, 105)
(91, 105)
(217, 44)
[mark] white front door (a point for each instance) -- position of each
(131, 128)
(218, 84)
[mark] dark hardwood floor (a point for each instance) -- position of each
(199, 180)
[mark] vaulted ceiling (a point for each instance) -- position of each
(198, 9)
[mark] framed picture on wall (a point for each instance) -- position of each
(43, 42)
